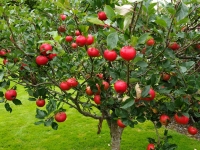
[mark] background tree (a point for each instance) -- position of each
(124, 62)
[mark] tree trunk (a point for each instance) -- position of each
(115, 133)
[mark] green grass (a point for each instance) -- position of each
(18, 132)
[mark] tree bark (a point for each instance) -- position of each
(115, 133)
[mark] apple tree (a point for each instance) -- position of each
(123, 62)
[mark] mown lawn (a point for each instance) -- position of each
(18, 132)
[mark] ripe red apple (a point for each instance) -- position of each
(100, 75)
(164, 119)
(61, 28)
(127, 53)
(174, 46)
(192, 130)
(120, 123)
(89, 40)
(110, 55)
(44, 48)
(40, 102)
(5, 61)
(181, 119)
(64, 86)
(152, 94)
(3, 52)
(74, 45)
(93, 52)
(10, 94)
(150, 146)
(51, 56)
(41, 60)
(120, 86)
(150, 42)
(60, 116)
(97, 99)
(106, 85)
(88, 91)
(68, 38)
(77, 33)
(102, 15)
(63, 17)
(165, 76)
(81, 40)
(22, 66)
(72, 82)
(197, 46)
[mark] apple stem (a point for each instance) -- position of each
(158, 136)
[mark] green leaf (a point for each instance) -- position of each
(134, 40)
(54, 125)
(39, 122)
(142, 64)
(109, 12)
(31, 99)
(127, 21)
(128, 103)
(142, 39)
(40, 114)
(95, 21)
(141, 119)
(8, 108)
(182, 11)
(161, 22)
(145, 91)
(197, 114)
(17, 102)
(1, 74)
(51, 106)
(49, 122)
(112, 40)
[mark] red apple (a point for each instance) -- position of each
(61, 28)
(192, 130)
(164, 119)
(68, 38)
(5, 61)
(74, 45)
(100, 75)
(81, 40)
(152, 94)
(64, 86)
(72, 82)
(10, 94)
(120, 86)
(106, 85)
(165, 76)
(40, 102)
(89, 40)
(52, 56)
(97, 99)
(3, 52)
(150, 42)
(181, 119)
(41, 60)
(120, 123)
(88, 91)
(93, 52)
(60, 116)
(127, 53)
(197, 46)
(150, 146)
(63, 17)
(102, 15)
(110, 55)
(174, 46)
(44, 48)
(77, 33)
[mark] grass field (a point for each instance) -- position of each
(18, 132)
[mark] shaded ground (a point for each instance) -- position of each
(182, 129)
